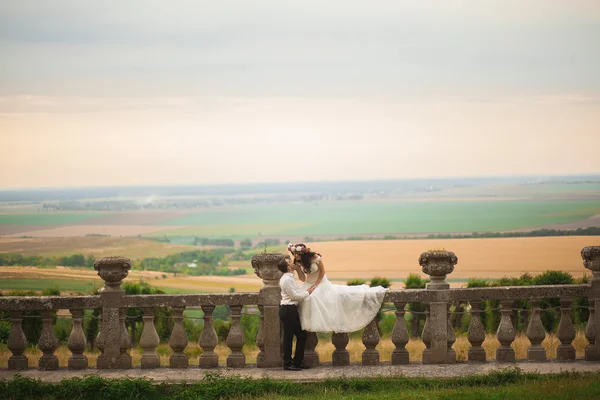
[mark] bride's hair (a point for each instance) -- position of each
(306, 256)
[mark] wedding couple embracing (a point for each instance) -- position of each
(317, 305)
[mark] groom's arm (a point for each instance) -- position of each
(290, 288)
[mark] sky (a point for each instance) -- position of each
(96, 93)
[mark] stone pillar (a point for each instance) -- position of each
(17, 343)
(438, 264)
(149, 340)
(125, 360)
(236, 339)
(536, 334)
(426, 337)
(48, 343)
(208, 340)
(260, 357)
(178, 340)
(340, 355)
(476, 334)
(77, 342)
(566, 332)
(101, 362)
(590, 335)
(451, 338)
(269, 297)
(370, 339)
(112, 270)
(506, 334)
(591, 261)
(311, 357)
(400, 337)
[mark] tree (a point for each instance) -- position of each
(246, 244)
(356, 282)
(380, 281)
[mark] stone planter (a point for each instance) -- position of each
(112, 270)
(265, 267)
(438, 264)
(591, 259)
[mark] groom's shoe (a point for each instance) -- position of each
(291, 367)
(303, 366)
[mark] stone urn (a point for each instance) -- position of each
(437, 264)
(591, 259)
(265, 267)
(112, 270)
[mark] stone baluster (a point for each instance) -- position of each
(48, 343)
(591, 261)
(536, 334)
(370, 339)
(17, 343)
(149, 340)
(311, 357)
(77, 341)
(124, 341)
(426, 337)
(178, 340)
(451, 338)
(476, 334)
(400, 337)
(208, 340)
(590, 335)
(340, 355)
(566, 332)
(236, 339)
(260, 358)
(101, 361)
(438, 264)
(505, 334)
(269, 297)
(113, 270)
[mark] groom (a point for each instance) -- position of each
(288, 313)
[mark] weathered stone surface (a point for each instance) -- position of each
(591, 258)
(426, 337)
(400, 337)
(149, 340)
(311, 357)
(48, 343)
(112, 270)
(451, 338)
(370, 339)
(505, 334)
(438, 264)
(23, 303)
(77, 342)
(260, 335)
(590, 335)
(438, 325)
(566, 332)
(124, 360)
(265, 266)
(178, 341)
(17, 342)
(236, 339)
(190, 300)
(536, 334)
(208, 340)
(101, 361)
(340, 355)
(476, 334)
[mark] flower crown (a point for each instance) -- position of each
(292, 248)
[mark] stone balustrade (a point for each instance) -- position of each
(438, 334)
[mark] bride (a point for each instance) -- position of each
(332, 308)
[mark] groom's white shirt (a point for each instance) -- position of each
(290, 292)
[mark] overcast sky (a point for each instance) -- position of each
(155, 92)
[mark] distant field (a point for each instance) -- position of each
(46, 218)
(363, 217)
(98, 246)
(69, 285)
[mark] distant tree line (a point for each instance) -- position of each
(74, 260)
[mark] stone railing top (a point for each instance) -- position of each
(191, 300)
(49, 302)
(490, 293)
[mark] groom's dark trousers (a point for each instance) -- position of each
(288, 314)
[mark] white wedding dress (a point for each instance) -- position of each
(338, 308)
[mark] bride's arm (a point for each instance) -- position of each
(321, 273)
(301, 275)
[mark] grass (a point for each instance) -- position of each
(356, 218)
(325, 348)
(46, 218)
(510, 383)
(67, 285)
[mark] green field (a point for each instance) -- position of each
(69, 285)
(46, 218)
(360, 218)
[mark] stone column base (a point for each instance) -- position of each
(236, 361)
(150, 361)
(49, 363)
(17, 363)
(179, 361)
(505, 355)
(565, 353)
(400, 356)
(536, 353)
(370, 357)
(78, 362)
(477, 355)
